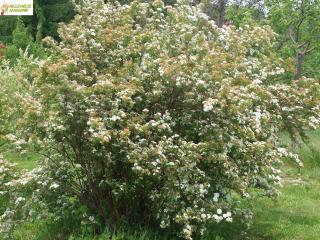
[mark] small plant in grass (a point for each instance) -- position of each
(154, 116)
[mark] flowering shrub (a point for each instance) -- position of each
(153, 115)
(6, 92)
(15, 83)
(8, 173)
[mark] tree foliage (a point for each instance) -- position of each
(298, 26)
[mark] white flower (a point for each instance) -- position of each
(77, 165)
(137, 167)
(187, 231)
(227, 215)
(54, 186)
(217, 218)
(208, 104)
(219, 211)
(207, 107)
(216, 197)
(19, 200)
(114, 118)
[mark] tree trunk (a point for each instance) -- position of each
(222, 12)
(299, 65)
(209, 9)
(41, 20)
(195, 2)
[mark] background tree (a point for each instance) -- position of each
(298, 24)
(19, 32)
(241, 12)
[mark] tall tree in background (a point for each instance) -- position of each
(24, 32)
(222, 4)
(241, 12)
(219, 10)
(41, 21)
(47, 16)
(54, 12)
(215, 9)
(298, 24)
(7, 25)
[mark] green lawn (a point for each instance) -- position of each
(294, 216)
(296, 213)
(23, 161)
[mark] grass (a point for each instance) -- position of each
(294, 216)
(27, 162)
(23, 161)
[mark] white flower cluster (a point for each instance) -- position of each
(154, 113)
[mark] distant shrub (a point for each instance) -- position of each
(154, 116)
(8, 174)
(15, 82)
(22, 41)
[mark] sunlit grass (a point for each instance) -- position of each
(23, 161)
(296, 214)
